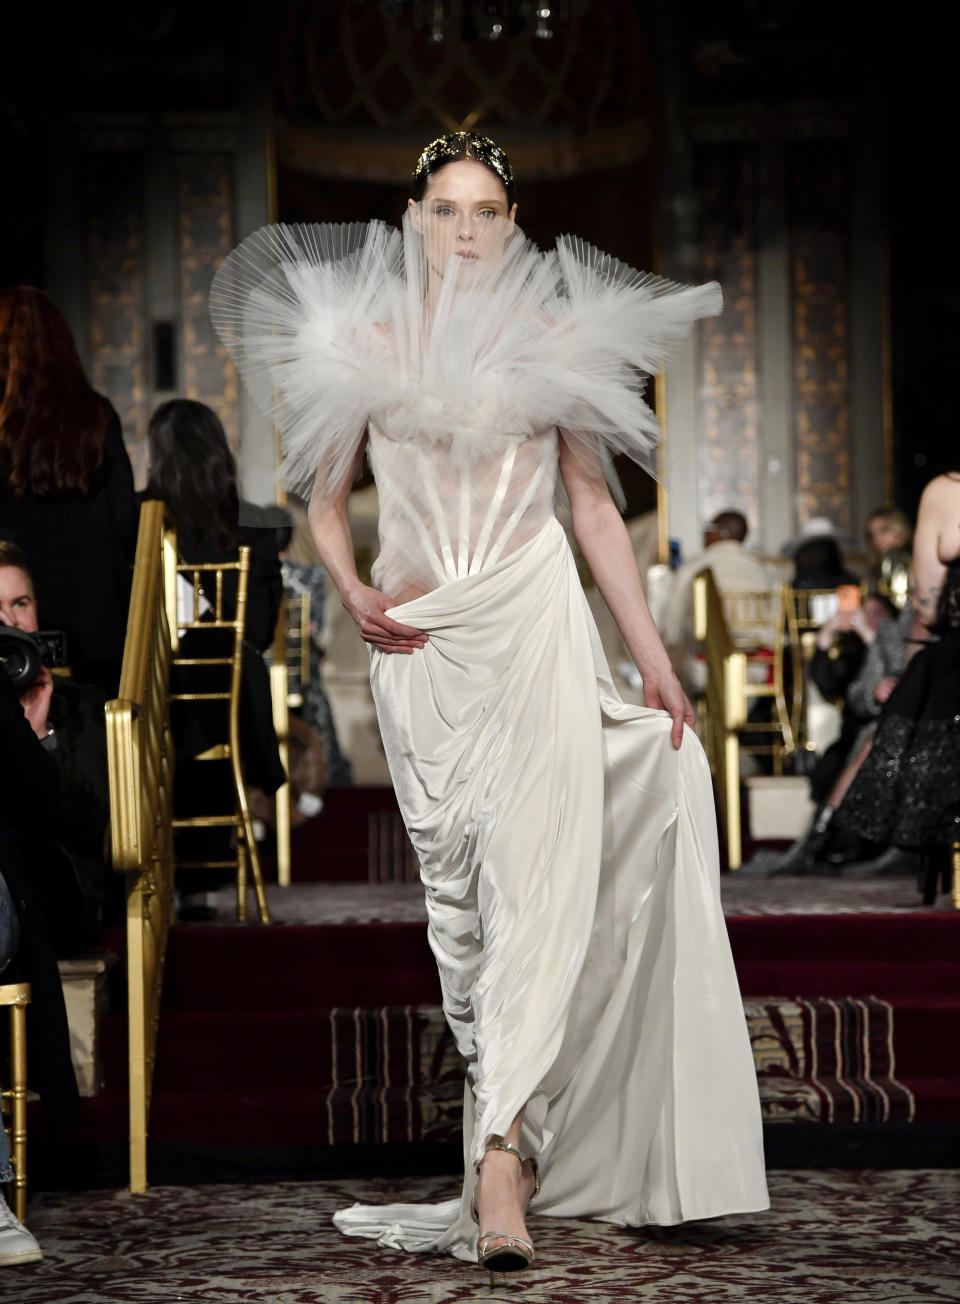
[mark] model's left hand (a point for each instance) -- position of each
(667, 695)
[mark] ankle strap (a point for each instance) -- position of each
(496, 1143)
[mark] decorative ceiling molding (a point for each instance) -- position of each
(373, 65)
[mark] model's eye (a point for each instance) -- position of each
(443, 210)
(488, 213)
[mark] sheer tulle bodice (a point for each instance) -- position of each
(441, 521)
(462, 369)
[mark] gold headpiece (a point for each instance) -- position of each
(466, 144)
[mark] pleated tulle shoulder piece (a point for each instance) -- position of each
(611, 328)
(297, 307)
(443, 343)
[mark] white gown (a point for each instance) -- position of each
(568, 851)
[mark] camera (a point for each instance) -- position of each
(23, 655)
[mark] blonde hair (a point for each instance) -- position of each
(894, 519)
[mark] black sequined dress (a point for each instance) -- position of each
(907, 791)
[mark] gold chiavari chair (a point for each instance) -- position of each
(724, 706)
(755, 622)
(296, 608)
(806, 611)
(280, 699)
(208, 613)
(289, 662)
(16, 997)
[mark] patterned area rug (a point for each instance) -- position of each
(830, 1238)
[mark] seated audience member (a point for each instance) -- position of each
(30, 800)
(735, 570)
(817, 559)
(192, 471)
(888, 538)
(865, 676)
(66, 854)
(906, 795)
(66, 486)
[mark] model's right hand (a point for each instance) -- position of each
(367, 606)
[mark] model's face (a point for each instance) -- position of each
(18, 606)
(882, 536)
(463, 213)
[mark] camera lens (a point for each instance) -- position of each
(19, 656)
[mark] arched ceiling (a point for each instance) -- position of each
(359, 82)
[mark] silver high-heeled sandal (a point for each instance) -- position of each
(511, 1253)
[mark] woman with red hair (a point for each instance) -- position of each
(66, 485)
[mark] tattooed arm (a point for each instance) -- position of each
(936, 542)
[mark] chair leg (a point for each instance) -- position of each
(247, 848)
(241, 877)
(929, 874)
(245, 838)
(18, 1120)
(263, 910)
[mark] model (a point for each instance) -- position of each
(567, 842)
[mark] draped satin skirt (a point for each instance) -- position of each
(569, 858)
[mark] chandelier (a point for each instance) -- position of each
(485, 20)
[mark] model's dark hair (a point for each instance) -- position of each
(193, 471)
(732, 524)
(53, 423)
(459, 145)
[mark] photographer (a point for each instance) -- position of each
(30, 796)
(64, 852)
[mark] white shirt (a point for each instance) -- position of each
(735, 570)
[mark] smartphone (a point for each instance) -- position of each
(848, 597)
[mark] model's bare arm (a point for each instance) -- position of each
(330, 527)
(605, 544)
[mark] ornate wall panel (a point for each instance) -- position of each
(818, 208)
(205, 216)
(113, 207)
(730, 446)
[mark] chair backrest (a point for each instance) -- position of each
(806, 612)
(208, 597)
(291, 643)
(298, 615)
(754, 618)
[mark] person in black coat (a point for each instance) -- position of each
(31, 796)
(66, 485)
(68, 870)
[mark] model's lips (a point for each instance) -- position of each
(462, 253)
